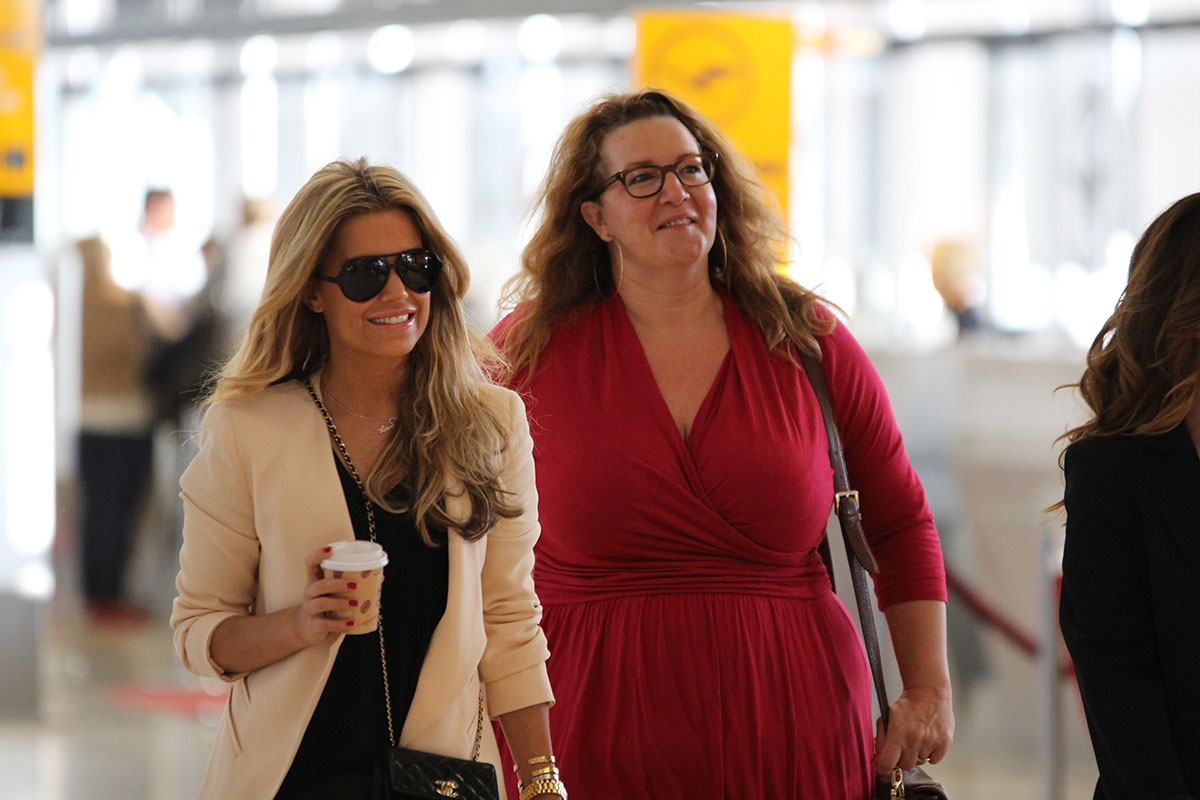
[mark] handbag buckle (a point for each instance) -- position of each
(838, 497)
(446, 788)
(897, 784)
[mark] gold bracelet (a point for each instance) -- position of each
(548, 773)
(544, 786)
(536, 760)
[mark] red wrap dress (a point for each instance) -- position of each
(697, 650)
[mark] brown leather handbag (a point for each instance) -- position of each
(909, 783)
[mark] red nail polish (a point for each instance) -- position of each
(351, 585)
(353, 603)
(328, 549)
(349, 623)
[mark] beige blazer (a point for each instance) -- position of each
(261, 494)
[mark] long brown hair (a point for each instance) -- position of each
(1144, 364)
(446, 430)
(566, 265)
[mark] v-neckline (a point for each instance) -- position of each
(663, 409)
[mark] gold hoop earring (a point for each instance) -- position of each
(720, 274)
(619, 273)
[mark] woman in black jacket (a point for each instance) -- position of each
(1130, 607)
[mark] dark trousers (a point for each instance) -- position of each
(114, 470)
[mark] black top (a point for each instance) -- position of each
(348, 730)
(1130, 609)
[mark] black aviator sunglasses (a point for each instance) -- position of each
(362, 278)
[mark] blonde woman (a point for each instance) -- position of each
(358, 376)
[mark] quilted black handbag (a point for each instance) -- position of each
(429, 776)
(900, 784)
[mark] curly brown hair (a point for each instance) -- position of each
(1144, 365)
(566, 265)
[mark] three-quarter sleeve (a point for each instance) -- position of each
(513, 666)
(1107, 622)
(218, 561)
(896, 517)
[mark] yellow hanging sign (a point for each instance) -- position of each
(736, 69)
(18, 50)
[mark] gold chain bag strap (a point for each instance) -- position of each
(911, 783)
(414, 773)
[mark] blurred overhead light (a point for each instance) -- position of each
(810, 14)
(1130, 12)
(465, 41)
(906, 19)
(259, 56)
(323, 51)
(1013, 16)
(391, 49)
(861, 42)
(540, 38)
(83, 16)
(620, 37)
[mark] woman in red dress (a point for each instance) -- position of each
(697, 648)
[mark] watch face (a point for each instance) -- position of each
(707, 66)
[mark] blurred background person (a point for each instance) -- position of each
(1131, 565)
(166, 269)
(180, 365)
(247, 250)
(954, 265)
(115, 432)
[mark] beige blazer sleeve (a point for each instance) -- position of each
(220, 552)
(513, 667)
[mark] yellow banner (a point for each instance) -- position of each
(736, 69)
(18, 50)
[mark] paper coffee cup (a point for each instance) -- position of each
(361, 562)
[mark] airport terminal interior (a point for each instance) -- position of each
(965, 179)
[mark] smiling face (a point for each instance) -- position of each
(380, 333)
(672, 230)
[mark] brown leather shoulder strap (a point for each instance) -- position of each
(850, 519)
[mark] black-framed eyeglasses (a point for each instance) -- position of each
(362, 278)
(647, 180)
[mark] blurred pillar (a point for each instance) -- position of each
(27, 482)
(26, 375)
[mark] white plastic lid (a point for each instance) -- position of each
(355, 556)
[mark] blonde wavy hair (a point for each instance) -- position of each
(566, 265)
(445, 430)
(1144, 365)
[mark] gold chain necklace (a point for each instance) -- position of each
(384, 426)
(387, 692)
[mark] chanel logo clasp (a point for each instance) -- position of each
(447, 788)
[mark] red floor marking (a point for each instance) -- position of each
(167, 698)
